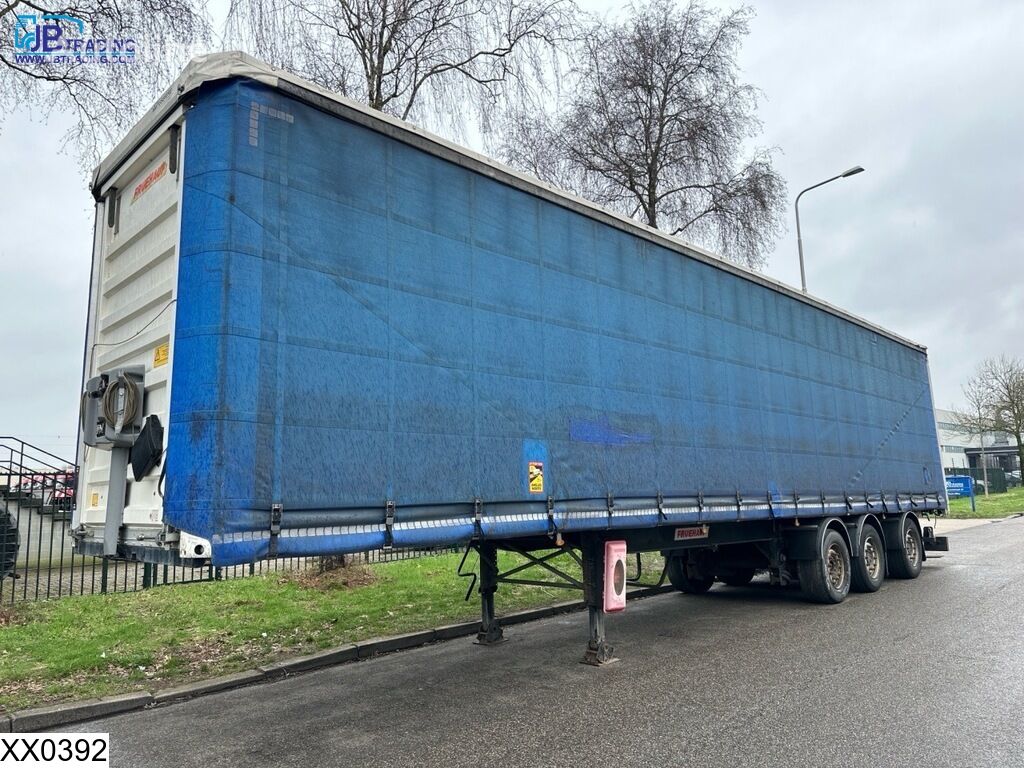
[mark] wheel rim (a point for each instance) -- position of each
(910, 546)
(835, 565)
(872, 562)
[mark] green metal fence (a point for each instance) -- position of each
(38, 561)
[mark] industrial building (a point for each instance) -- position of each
(961, 450)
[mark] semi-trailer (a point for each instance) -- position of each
(314, 329)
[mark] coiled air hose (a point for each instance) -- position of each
(131, 402)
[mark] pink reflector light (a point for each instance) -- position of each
(614, 576)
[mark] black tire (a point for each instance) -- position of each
(686, 578)
(827, 578)
(906, 562)
(737, 577)
(869, 569)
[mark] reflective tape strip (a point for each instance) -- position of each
(291, 533)
(447, 522)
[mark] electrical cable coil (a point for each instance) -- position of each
(131, 401)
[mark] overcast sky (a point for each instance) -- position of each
(928, 242)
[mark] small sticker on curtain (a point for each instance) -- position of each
(536, 476)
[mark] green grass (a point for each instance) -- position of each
(994, 505)
(103, 644)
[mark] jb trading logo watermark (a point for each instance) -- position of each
(57, 38)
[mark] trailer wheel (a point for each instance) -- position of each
(869, 569)
(737, 577)
(905, 562)
(826, 579)
(685, 577)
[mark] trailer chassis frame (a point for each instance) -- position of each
(778, 540)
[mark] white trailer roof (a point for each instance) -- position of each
(223, 66)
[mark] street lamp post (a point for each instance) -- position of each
(799, 240)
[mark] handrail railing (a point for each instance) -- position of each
(27, 444)
(32, 454)
(39, 562)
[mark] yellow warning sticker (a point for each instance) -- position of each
(161, 355)
(94, 500)
(536, 476)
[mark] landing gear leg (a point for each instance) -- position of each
(490, 628)
(599, 652)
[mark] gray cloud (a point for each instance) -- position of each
(45, 254)
(928, 242)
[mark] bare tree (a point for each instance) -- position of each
(654, 125)
(105, 97)
(425, 60)
(1004, 377)
(977, 419)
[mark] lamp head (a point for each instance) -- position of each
(852, 172)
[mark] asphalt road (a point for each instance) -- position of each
(924, 673)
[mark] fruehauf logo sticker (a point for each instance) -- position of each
(59, 38)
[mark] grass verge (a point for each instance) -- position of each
(99, 645)
(994, 505)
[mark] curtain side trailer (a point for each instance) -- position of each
(314, 330)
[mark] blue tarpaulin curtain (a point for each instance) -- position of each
(361, 321)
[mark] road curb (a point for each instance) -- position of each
(531, 614)
(379, 645)
(327, 658)
(453, 631)
(651, 591)
(45, 718)
(202, 687)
